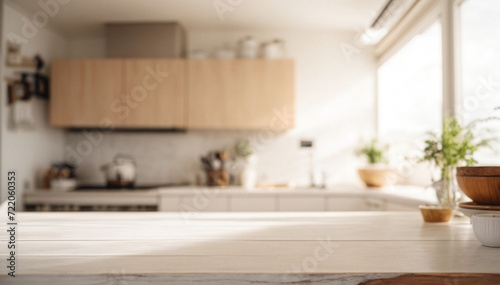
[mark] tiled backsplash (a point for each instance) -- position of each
(175, 157)
(172, 157)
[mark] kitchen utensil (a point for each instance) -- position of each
(217, 164)
(217, 177)
(436, 214)
(207, 164)
(486, 228)
(120, 173)
(480, 183)
(222, 156)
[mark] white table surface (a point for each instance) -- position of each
(242, 246)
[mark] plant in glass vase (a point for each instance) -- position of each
(454, 147)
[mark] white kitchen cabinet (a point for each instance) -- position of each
(194, 203)
(169, 203)
(346, 204)
(204, 203)
(301, 204)
(375, 204)
(391, 206)
(253, 204)
(207, 199)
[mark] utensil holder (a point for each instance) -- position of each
(217, 177)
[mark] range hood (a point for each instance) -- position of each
(145, 40)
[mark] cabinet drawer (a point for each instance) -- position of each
(301, 204)
(391, 206)
(374, 204)
(194, 203)
(253, 204)
(346, 204)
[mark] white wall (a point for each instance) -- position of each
(335, 107)
(29, 152)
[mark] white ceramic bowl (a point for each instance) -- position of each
(487, 229)
(63, 185)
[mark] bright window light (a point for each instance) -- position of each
(410, 92)
(480, 76)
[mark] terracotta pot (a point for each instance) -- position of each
(377, 177)
(436, 214)
(480, 183)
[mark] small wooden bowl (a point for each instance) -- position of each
(436, 214)
(480, 183)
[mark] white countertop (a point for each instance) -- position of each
(399, 193)
(159, 247)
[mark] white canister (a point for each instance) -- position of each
(249, 173)
(247, 48)
(273, 49)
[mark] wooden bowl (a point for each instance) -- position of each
(377, 177)
(480, 183)
(436, 214)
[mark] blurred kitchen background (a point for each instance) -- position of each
(344, 72)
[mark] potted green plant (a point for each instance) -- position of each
(455, 146)
(377, 173)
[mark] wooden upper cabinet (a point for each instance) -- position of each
(155, 94)
(173, 93)
(241, 94)
(124, 93)
(83, 92)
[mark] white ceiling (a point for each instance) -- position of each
(86, 17)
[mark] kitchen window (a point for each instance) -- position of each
(410, 99)
(480, 71)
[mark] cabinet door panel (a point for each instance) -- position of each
(241, 94)
(253, 204)
(391, 206)
(201, 203)
(346, 204)
(375, 204)
(84, 92)
(155, 93)
(301, 204)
